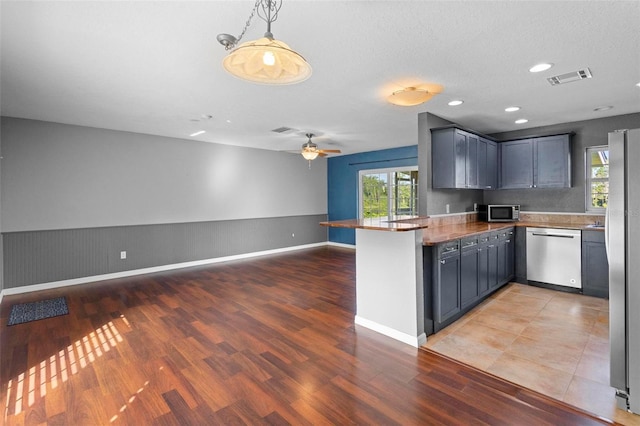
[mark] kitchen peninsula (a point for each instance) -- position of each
(389, 276)
(415, 276)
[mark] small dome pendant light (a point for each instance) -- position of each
(266, 60)
(410, 96)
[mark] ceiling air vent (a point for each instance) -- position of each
(569, 77)
(284, 130)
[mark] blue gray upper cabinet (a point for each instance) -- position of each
(463, 160)
(488, 166)
(516, 164)
(543, 162)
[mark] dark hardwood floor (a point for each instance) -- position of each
(270, 340)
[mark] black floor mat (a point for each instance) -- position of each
(33, 311)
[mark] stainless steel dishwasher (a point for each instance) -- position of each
(554, 256)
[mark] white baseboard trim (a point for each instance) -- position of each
(343, 245)
(416, 342)
(162, 268)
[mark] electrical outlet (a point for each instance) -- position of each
(123, 255)
(475, 207)
(293, 235)
(447, 208)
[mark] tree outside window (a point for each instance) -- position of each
(388, 192)
(597, 182)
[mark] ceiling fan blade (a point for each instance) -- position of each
(337, 151)
(321, 154)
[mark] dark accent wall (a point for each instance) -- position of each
(434, 201)
(342, 175)
(34, 257)
(571, 200)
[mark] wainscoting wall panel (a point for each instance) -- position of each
(35, 257)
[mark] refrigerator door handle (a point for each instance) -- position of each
(606, 232)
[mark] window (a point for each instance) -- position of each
(597, 178)
(388, 192)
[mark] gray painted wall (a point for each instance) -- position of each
(434, 201)
(588, 133)
(35, 257)
(57, 176)
(1, 237)
(74, 197)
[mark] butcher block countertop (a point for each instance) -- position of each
(400, 223)
(442, 234)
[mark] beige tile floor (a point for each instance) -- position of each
(553, 342)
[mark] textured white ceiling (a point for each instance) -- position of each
(155, 66)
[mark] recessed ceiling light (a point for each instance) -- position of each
(540, 67)
(456, 102)
(603, 108)
(521, 121)
(197, 133)
(512, 109)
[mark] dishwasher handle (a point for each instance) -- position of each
(552, 235)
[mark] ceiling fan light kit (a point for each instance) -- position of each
(410, 96)
(310, 150)
(266, 60)
(309, 154)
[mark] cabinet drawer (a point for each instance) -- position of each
(469, 243)
(593, 236)
(484, 239)
(450, 248)
(506, 234)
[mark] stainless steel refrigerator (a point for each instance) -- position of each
(623, 246)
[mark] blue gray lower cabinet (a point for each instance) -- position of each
(459, 274)
(595, 265)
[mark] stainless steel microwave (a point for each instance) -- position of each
(499, 212)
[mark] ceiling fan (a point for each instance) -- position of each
(310, 150)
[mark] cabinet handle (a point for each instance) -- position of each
(508, 241)
(442, 261)
(530, 186)
(552, 235)
(491, 245)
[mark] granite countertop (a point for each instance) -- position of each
(442, 234)
(398, 223)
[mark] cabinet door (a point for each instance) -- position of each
(516, 164)
(448, 162)
(460, 159)
(595, 266)
(483, 263)
(471, 161)
(502, 263)
(482, 163)
(448, 300)
(492, 263)
(468, 274)
(491, 168)
(511, 254)
(552, 162)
